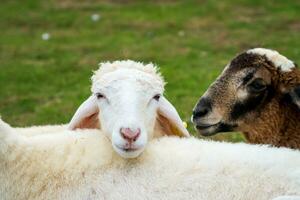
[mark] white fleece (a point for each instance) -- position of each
(82, 165)
(37, 130)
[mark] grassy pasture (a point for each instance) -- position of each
(43, 81)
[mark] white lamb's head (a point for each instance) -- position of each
(128, 105)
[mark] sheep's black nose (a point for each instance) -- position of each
(203, 108)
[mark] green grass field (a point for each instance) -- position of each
(43, 82)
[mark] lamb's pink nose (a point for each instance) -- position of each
(129, 134)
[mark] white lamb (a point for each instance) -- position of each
(127, 102)
(88, 163)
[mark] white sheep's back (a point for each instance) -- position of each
(170, 168)
(38, 130)
(192, 169)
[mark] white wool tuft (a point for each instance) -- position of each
(279, 61)
(107, 67)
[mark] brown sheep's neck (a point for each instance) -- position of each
(278, 125)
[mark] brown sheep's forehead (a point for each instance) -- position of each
(241, 69)
(245, 66)
(249, 60)
(238, 69)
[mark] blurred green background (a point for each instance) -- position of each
(44, 81)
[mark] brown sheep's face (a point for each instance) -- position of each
(243, 88)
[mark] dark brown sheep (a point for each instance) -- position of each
(258, 93)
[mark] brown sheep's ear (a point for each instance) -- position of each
(295, 95)
(290, 84)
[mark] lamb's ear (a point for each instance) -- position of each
(168, 120)
(295, 95)
(86, 115)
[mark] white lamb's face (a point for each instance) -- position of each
(128, 109)
(127, 104)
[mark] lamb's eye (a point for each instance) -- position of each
(257, 85)
(100, 95)
(156, 97)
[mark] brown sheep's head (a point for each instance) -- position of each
(248, 83)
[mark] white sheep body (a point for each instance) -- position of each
(82, 165)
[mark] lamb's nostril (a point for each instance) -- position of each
(129, 134)
(136, 137)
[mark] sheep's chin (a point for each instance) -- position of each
(212, 129)
(128, 154)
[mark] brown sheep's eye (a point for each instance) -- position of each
(100, 96)
(257, 85)
(156, 97)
